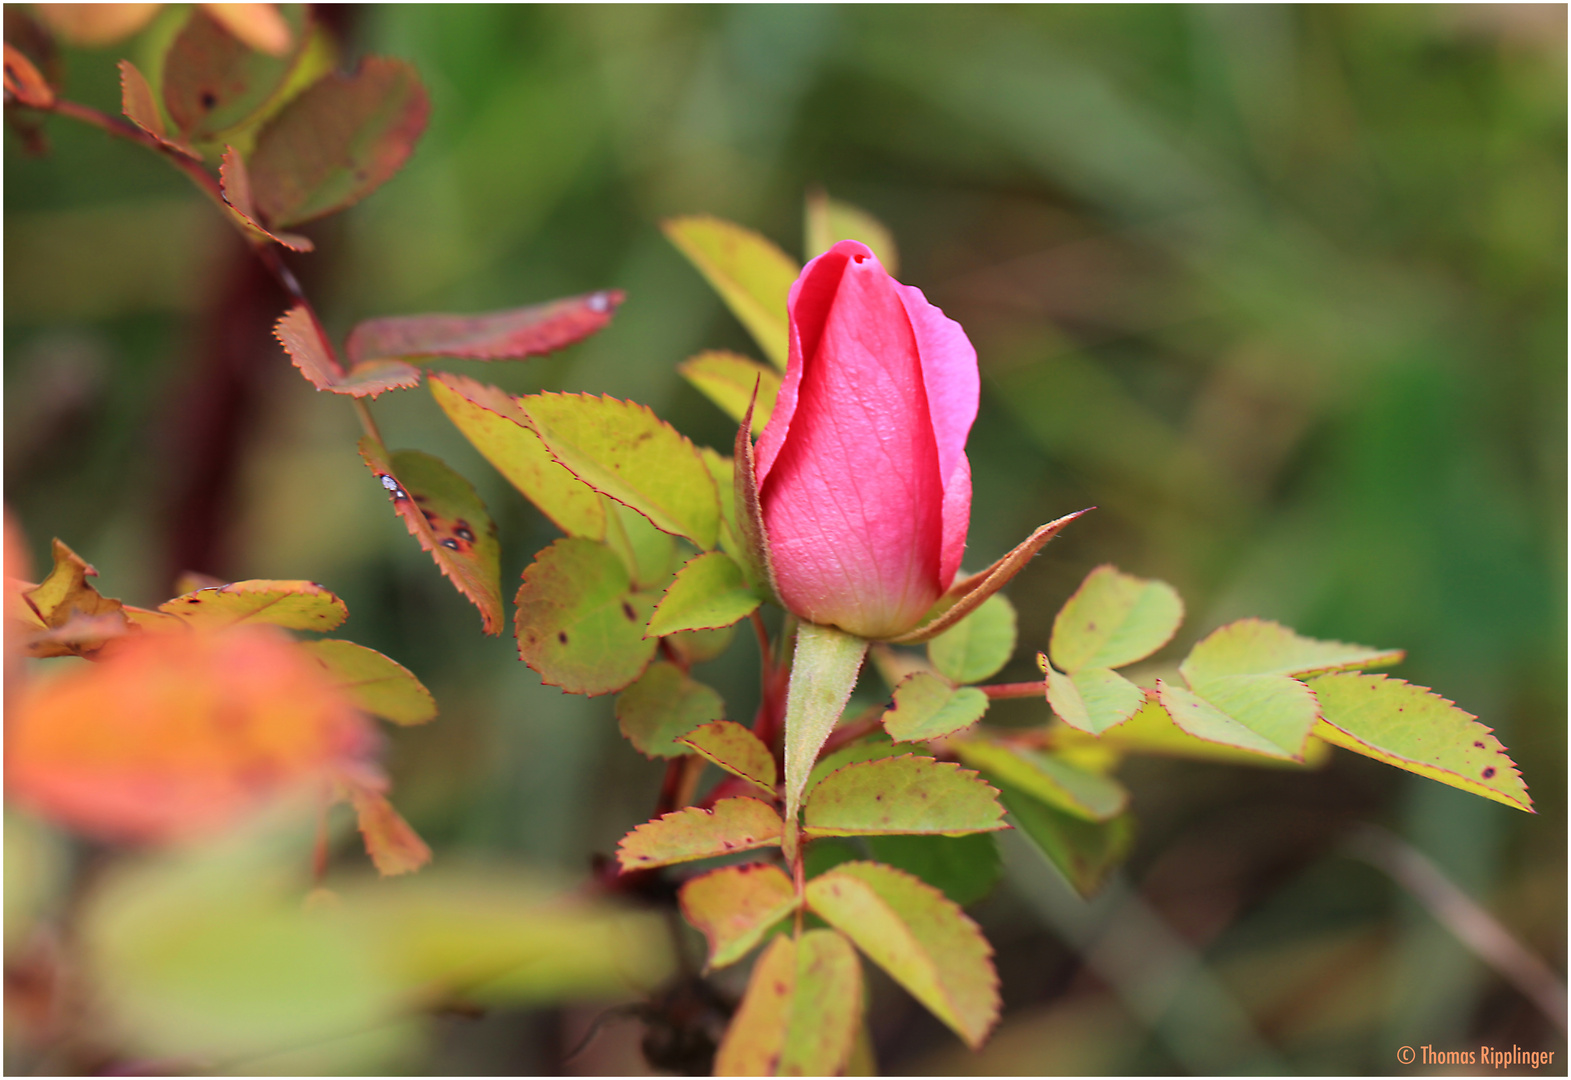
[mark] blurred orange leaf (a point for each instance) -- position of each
(394, 847)
(24, 82)
(313, 355)
(234, 184)
(258, 25)
(178, 734)
(498, 335)
(94, 25)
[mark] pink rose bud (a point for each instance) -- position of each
(862, 472)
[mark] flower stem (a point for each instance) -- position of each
(999, 691)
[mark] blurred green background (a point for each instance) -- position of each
(1280, 290)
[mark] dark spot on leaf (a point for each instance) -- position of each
(453, 544)
(627, 609)
(561, 635)
(1479, 745)
(1489, 772)
(728, 845)
(463, 532)
(209, 99)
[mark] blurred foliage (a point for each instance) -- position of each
(1281, 290)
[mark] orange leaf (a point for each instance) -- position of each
(306, 345)
(258, 25)
(394, 847)
(180, 734)
(24, 82)
(141, 108)
(95, 25)
(234, 184)
(498, 335)
(695, 833)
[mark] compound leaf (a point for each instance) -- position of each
(928, 707)
(802, 1011)
(663, 704)
(1416, 729)
(1085, 794)
(512, 334)
(1261, 647)
(294, 605)
(736, 750)
(442, 511)
(338, 141)
(750, 273)
(623, 450)
(919, 936)
(708, 593)
(735, 906)
(739, 824)
(727, 379)
(1114, 619)
(1083, 851)
(580, 624)
(907, 794)
(378, 684)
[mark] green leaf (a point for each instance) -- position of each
(876, 746)
(1152, 731)
(646, 551)
(580, 624)
(379, 685)
(214, 84)
(1416, 729)
(825, 853)
(740, 824)
(623, 450)
(977, 646)
(512, 334)
(663, 704)
(727, 379)
(1085, 794)
(441, 510)
(823, 673)
(1092, 699)
(964, 868)
(697, 646)
(708, 593)
(338, 141)
(721, 470)
(1114, 619)
(1260, 647)
(920, 937)
(1269, 714)
(735, 906)
(498, 428)
(830, 221)
(907, 794)
(1083, 851)
(927, 707)
(802, 1011)
(736, 750)
(752, 275)
(294, 605)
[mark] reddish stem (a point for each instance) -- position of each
(999, 691)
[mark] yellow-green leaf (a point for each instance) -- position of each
(580, 624)
(735, 906)
(830, 221)
(876, 746)
(907, 794)
(1093, 699)
(707, 593)
(76, 618)
(727, 379)
(736, 750)
(378, 684)
(1114, 619)
(802, 1011)
(750, 273)
(977, 646)
(697, 646)
(663, 704)
(1261, 647)
(919, 936)
(823, 673)
(1085, 852)
(491, 420)
(740, 824)
(294, 605)
(623, 450)
(1268, 714)
(1076, 791)
(1152, 731)
(1416, 729)
(927, 707)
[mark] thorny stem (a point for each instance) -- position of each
(265, 251)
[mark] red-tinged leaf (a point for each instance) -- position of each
(919, 936)
(294, 605)
(734, 825)
(140, 106)
(581, 625)
(214, 83)
(258, 25)
(802, 1011)
(927, 707)
(735, 906)
(498, 335)
(24, 82)
(309, 350)
(1093, 699)
(340, 140)
(442, 511)
(394, 847)
(1414, 728)
(967, 595)
(177, 734)
(376, 683)
(76, 620)
(234, 184)
(906, 794)
(736, 750)
(663, 704)
(708, 593)
(92, 26)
